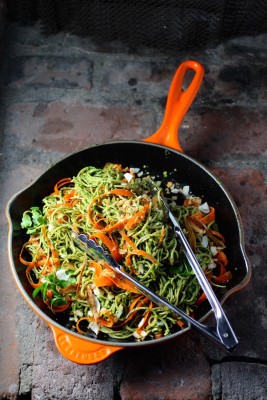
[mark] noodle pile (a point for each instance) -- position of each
(114, 207)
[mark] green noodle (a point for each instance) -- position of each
(170, 276)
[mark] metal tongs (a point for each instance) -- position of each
(222, 334)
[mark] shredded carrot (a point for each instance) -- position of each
(139, 216)
(180, 323)
(198, 215)
(162, 235)
(61, 183)
(135, 304)
(101, 321)
(24, 262)
(221, 257)
(105, 276)
(136, 251)
(119, 224)
(209, 218)
(201, 299)
(226, 277)
(110, 243)
(58, 309)
(145, 318)
(32, 265)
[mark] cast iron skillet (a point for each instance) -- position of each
(159, 153)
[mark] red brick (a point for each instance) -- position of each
(249, 191)
(65, 127)
(218, 133)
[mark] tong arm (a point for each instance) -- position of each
(89, 246)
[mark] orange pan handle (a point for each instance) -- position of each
(178, 103)
(79, 350)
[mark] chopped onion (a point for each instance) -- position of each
(94, 326)
(97, 291)
(204, 241)
(136, 335)
(119, 311)
(128, 176)
(213, 250)
(143, 334)
(134, 170)
(175, 190)
(212, 265)
(141, 269)
(186, 190)
(103, 311)
(78, 313)
(61, 275)
(122, 251)
(204, 208)
(51, 227)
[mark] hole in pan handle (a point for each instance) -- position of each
(178, 102)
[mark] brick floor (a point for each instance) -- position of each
(62, 93)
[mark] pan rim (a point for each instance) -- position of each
(115, 343)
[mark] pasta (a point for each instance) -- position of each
(113, 206)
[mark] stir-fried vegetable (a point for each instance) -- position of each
(114, 207)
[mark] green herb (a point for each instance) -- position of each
(32, 220)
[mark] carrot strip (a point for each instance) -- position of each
(139, 216)
(117, 166)
(32, 265)
(136, 251)
(54, 252)
(119, 224)
(61, 183)
(221, 257)
(162, 235)
(58, 309)
(24, 262)
(119, 282)
(120, 192)
(180, 323)
(201, 299)
(144, 321)
(106, 277)
(128, 240)
(226, 277)
(209, 218)
(100, 281)
(198, 215)
(136, 303)
(101, 321)
(110, 243)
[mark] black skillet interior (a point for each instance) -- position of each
(157, 160)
